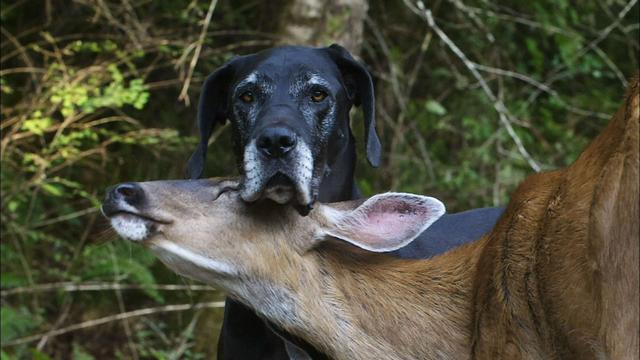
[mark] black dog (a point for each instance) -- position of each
(289, 110)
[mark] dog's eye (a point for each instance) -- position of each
(318, 95)
(247, 96)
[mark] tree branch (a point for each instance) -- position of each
(503, 113)
(118, 317)
(184, 96)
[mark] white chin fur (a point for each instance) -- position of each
(280, 194)
(253, 180)
(188, 263)
(130, 227)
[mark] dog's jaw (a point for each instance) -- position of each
(303, 173)
(258, 173)
(253, 181)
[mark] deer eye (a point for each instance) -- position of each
(246, 96)
(318, 95)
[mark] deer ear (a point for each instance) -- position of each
(384, 222)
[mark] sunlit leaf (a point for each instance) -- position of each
(435, 107)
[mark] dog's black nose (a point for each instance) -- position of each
(129, 193)
(276, 141)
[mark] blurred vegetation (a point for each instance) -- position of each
(99, 92)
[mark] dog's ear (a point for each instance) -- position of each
(360, 89)
(212, 111)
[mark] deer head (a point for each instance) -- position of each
(262, 254)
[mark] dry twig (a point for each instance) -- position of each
(196, 54)
(71, 287)
(117, 317)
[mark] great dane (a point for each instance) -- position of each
(289, 112)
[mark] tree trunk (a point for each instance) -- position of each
(316, 23)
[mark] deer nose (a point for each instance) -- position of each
(129, 193)
(275, 142)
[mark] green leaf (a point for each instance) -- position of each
(133, 265)
(5, 87)
(80, 354)
(13, 205)
(435, 107)
(537, 56)
(52, 189)
(37, 124)
(568, 47)
(16, 322)
(38, 355)
(10, 279)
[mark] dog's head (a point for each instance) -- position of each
(289, 110)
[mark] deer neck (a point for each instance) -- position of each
(356, 305)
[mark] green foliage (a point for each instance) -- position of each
(556, 68)
(39, 355)
(16, 322)
(88, 97)
(435, 107)
(123, 262)
(86, 115)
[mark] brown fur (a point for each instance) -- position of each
(557, 277)
(559, 274)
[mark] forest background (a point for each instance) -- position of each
(471, 97)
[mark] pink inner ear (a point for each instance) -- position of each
(388, 221)
(391, 219)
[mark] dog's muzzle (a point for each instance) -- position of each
(278, 166)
